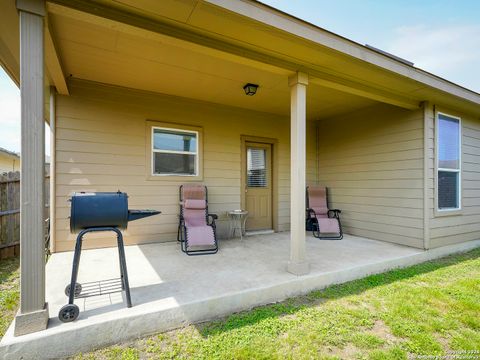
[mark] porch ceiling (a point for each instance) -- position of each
(120, 55)
(215, 45)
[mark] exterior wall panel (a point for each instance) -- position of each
(372, 163)
(101, 146)
(464, 225)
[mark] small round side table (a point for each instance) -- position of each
(237, 222)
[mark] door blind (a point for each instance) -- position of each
(256, 168)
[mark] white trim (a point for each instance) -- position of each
(153, 150)
(174, 152)
(448, 170)
(53, 166)
(428, 115)
(437, 160)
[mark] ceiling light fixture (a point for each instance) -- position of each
(250, 89)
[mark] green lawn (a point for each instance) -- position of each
(9, 292)
(431, 308)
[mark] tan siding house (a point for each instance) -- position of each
(364, 140)
(368, 119)
(397, 147)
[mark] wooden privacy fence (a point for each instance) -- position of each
(10, 212)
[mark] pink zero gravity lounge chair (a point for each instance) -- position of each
(196, 230)
(324, 223)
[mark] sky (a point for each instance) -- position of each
(439, 36)
(10, 116)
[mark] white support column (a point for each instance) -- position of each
(33, 313)
(298, 264)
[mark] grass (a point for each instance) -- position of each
(428, 309)
(9, 292)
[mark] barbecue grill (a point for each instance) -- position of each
(93, 212)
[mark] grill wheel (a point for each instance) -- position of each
(78, 289)
(68, 313)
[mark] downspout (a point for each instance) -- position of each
(53, 141)
(426, 199)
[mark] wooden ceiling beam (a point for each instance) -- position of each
(53, 64)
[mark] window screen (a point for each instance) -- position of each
(174, 152)
(448, 154)
(448, 190)
(256, 168)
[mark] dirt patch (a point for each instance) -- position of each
(381, 330)
(444, 342)
(347, 352)
(307, 300)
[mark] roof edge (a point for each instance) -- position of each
(9, 153)
(311, 32)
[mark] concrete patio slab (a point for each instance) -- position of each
(170, 289)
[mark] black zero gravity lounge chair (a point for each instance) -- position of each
(196, 229)
(325, 223)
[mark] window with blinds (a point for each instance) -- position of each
(256, 168)
(448, 162)
(174, 152)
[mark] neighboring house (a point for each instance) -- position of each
(9, 161)
(146, 96)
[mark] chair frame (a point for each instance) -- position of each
(331, 213)
(182, 229)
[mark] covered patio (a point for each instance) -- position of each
(170, 289)
(329, 111)
(111, 71)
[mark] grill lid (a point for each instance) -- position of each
(103, 209)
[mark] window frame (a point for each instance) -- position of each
(457, 210)
(150, 174)
(153, 150)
